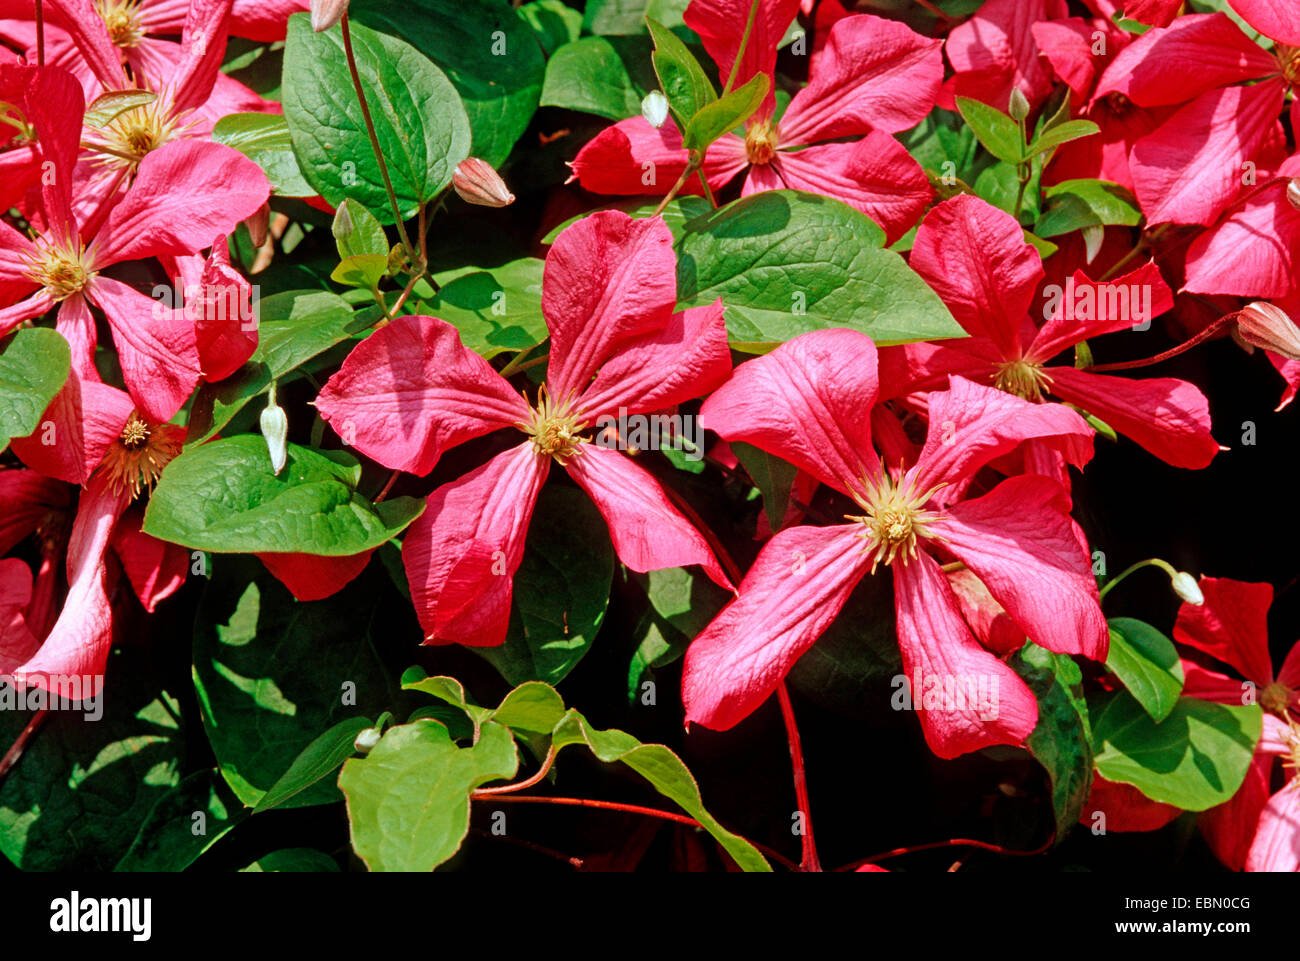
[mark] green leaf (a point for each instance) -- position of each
(622, 17)
(486, 49)
(418, 117)
(319, 759)
(1075, 204)
(225, 497)
(1061, 133)
(293, 327)
(358, 232)
(589, 75)
(494, 310)
(773, 477)
(532, 707)
(271, 673)
(681, 77)
(679, 212)
(657, 643)
(665, 772)
(361, 270)
(294, 859)
(1195, 759)
(264, 139)
(786, 262)
(1062, 740)
(999, 134)
(33, 368)
(726, 113)
(408, 799)
(78, 796)
(184, 823)
(560, 590)
(554, 22)
(1147, 663)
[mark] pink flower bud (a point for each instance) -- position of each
(478, 183)
(1293, 192)
(1264, 325)
(326, 13)
(258, 224)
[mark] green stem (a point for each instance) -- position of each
(692, 165)
(740, 51)
(1149, 562)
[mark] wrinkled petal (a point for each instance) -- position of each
(1232, 625)
(721, 26)
(26, 498)
(1113, 305)
(917, 367)
(1277, 838)
(1124, 808)
(987, 619)
(1253, 252)
(632, 157)
(225, 326)
(76, 430)
(17, 643)
(1277, 19)
(156, 569)
(994, 52)
(311, 577)
(1230, 828)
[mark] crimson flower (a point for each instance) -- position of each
(411, 391)
(873, 78)
(976, 258)
(807, 402)
(995, 52)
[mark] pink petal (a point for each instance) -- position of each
(994, 52)
(1169, 417)
(632, 157)
(17, 643)
(155, 568)
(411, 391)
(24, 310)
(1232, 625)
(1211, 685)
(805, 402)
(1068, 45)
(721, 25)
(1289, 673)
(608, 277)
(203, 46)
(688, 358)
(917, 367)
(1276, 19)
(1192, 167)
(875, 175)
(1252, 252)
(26, 500)
(461, 554)
(990, 704)
(873, 74)
(1277, 839)
(1124, 807)
(1065, 327)
(185, 193)
(225, 328)
(649, 534)
(81, 422)
(1230, 828)
(54, 107)
(794, 590)
(987, 619)
(977, 260)
(311, 577)
(83, 22)
(1020, 541)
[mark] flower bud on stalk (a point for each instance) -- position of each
(366, 740)
(275, 430)
(1019, 105)
(654, 108)
(1187, 589)
(1263, 325)
(1293, 193)
(326, 13)
(259, 224)
(477, 182)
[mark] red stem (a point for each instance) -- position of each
(1203, 336)
(809, 861)
(16, 749)
(955, 842)
(40, 33)
(518, 785)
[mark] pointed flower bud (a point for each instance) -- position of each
(326, 13)
(1185, 587)
(477, 182)
(655, 109)
(275, 430)
(259, 224)
(1019, 106)
(366, 740)
(1264, 325)
(1293, 192)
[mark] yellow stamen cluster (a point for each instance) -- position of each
(129, 137)
(122, 18)
(553, 427)
(761, 142)
(1022, 378)
(1288, 59)
(895, 517)
(62, 271)
(1276, 698)
(137, 457)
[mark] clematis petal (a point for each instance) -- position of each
(1193, 166)
(608, 277)
(975, 700)
(971, 424)
(1212, 685)
(988, 620)
(1068, 47)
(632, 157)
(649, 534)
(1276, 19)
(873, 74)
(1169, 417)
(1289, 672)
(1114, 305)
(806, 402)
(225, 326)
(156, 569)
(721, 25)
(1277, 838)
(311, 577)
(76, 430)
(1124, 808)
(54, 107)
(794, 590)
(1230, 828)
(1021, 543)
(25, 310)
(994, 52)
(86, 27)
(461, 554)
(688, 358)
(26, 499)
(1232, 625)
(17, 643)
(203, 46)
(411, 391)
(1252, 252)
(976, 259)
(156, 348)
(875, 175)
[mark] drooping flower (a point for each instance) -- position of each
(874, 78)
(976, 258)
(411, 391)
(806, 402)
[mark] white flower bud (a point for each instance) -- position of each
(1293, 192)
(275, 430)
(1185, 587)
(477, 182)
(367, 740)
(655, 109)
(1264, 325)
(326, 13)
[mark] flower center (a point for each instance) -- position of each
(1276, 698)
(1022, 378)
(553, 428)
(895, 518)
(137, 457)
(761, 142)
(125, 141)
(1288, 59)
(61, 271)
(122, 18)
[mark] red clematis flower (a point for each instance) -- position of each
(411, 391)
(183, 195)
(1204, 157)
(976, 258)
(873, 79)
(807, 403)
(995, 52)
